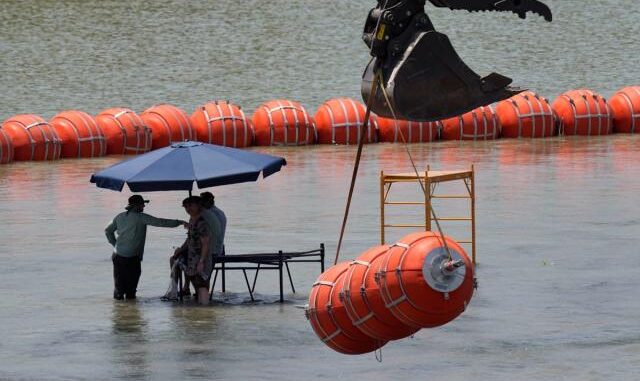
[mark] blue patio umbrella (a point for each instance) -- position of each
(178, 166)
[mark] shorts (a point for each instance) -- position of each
(198, 281)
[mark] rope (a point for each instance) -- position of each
(363, 129)
(415, 169)
(377, 81)
(378, 354)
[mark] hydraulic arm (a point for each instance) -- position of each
(424, 77)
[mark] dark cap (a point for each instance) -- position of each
(136, 199)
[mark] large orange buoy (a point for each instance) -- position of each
(363, 301)
(420, 284)
(169, 124)
(583, 112)
(625, 107)
(330, 321)
(222, 123)
(283, 123)
(479, 124)
(125, 132)
(6, 148)
(80, 134)
(340, 120)
(526, 115)
(390, 130)
(32, 137)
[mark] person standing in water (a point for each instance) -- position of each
(216, 228)
(196, 250)
(209, 203)
(128, 246)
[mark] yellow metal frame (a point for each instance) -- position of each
(430, 178)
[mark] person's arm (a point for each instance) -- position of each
(180, 250)
(204, 254)
(161, 222)
(110, 231)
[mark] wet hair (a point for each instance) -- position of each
(192, 200)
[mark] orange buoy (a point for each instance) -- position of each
(222, 123)
(340, 120)
(80, 134)
(583, 112)
(125, 132)
(32, 138)
(330, 321)
(420, 284)
(625, 107)
(169, 124)
(526, 115)
(414, 132)
(479, 124)
(283, 123)
(6, 148)
(363, 301)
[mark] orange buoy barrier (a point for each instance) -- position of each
(479, 124)
(283, 123)
(32, 138)
(363, 302)
(414, 132)
(168, 124)
(80, 134)
(125, 132)
(222, 123)
(330, 321)
(526, 115)
(583, 112)
(6, 148)
(420, 284)
(625, 107)
(340, 120)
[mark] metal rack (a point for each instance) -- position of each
(257, 262)
(430, 179)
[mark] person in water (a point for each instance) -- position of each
(217, 224)
(128, 246)
(196, 250)
(210, 204)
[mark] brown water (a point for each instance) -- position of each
(558, 220)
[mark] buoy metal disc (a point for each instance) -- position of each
(437, 277)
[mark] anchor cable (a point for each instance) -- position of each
(363, 130)
(415, 169)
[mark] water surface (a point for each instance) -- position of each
(558, 220)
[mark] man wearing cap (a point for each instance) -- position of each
(128, 246)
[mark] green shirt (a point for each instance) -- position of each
(216, 233)
(132, 232)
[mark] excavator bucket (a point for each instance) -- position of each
(429, 82)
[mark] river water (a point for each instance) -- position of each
(558, 220)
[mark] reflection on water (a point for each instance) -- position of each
(129, 341)
(195, 331)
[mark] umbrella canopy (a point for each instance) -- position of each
(177, 167)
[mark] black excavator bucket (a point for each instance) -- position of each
(423, 76)
(430, 82)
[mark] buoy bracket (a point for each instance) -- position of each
(444, 274)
